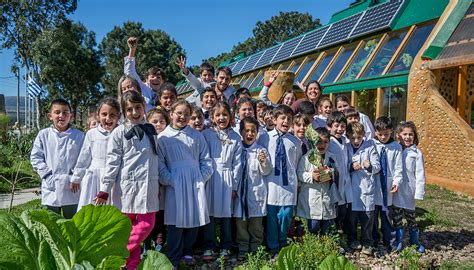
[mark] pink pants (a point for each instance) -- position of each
(142, 224)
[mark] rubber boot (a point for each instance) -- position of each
(398, 245)
(414, 236)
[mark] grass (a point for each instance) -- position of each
(17, 210)
(452, 265)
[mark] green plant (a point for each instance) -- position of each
(333, 262)
(155, 260)
(40, 239)
(14, 181)
(409, 258)
(221, 262)
(434, 217)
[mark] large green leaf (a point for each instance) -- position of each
(286, 258)
(111, 263)
(333, 262)
(103, 231)
(155, 260)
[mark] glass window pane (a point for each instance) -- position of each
(367, 102)
(384, 55)
(284, 66)
(318, 71)
(244, 79)
(295, 67)
(405, 58)
(359, 61)
(338, 65)
(257, 80)
(394, 103)
(249, 80)
(305, 69)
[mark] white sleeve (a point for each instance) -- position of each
(263, 95)
(398, 169)
(205, 160)
(194, 82)
(37, 157)
(237, 168)
(114, 161)
(305, 172)
(164, 173)
(374, 161)
(419, 176)
(130, 70)
(84, 160)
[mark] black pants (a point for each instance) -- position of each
(68, 211)
(366, 219)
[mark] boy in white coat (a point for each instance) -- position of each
(250, 204)
(285, 152)
(388, 180)
(364, 165)
(317, 200)
(54, 156)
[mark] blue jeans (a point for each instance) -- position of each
(388, 232)
(317, 226)
(209, 231)
(180, 243)
(278, 222)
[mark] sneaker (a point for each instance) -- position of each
(224, 253)
(367, 250)
(189, 260)
(208, 255)
(355, 245)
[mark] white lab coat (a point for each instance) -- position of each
(316, 200)
(147, 92)
(226, 161)
(363, 180)
(53, 157)
(368, 127)
(394, 170)
(277, 193)
(185, 167)
(132, 172)
(339, 151)
(263, 96)
(198, 85)
(257, 191)
(90, 166)
(412, 186)
(319, 121)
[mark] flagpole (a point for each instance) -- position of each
(37, 99)
(24, 107)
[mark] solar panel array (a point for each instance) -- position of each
(371, 20)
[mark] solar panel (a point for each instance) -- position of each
(310, 41)
(232, 65)
(340, 30)
(287, 48)
(238, 67)
(252, 61)
(267, 56)
(377, 18)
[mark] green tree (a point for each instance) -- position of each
(155, 48)
(70, 65)
(277, 29)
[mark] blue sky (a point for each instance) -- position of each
(204, 28)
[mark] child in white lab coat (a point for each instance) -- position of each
(205, 80)
(411, 188)
(54, 156)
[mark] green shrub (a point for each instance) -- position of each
(409, 258)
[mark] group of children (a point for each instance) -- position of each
(179, 169)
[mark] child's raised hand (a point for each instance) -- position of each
(356, 166)
(273, 77)
(366, 164)
(74, 187)
(394, 189)
(316, 176)
(132, 42)
(99, 201)
(182, 64)
(261, 156)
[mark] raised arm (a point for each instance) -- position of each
(129, 68)
(263, 95)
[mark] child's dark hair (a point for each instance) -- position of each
(208, 90)
(307, 107)
(282, 109)
(248, 120)
(156, 71)
(311, 82)
(301, 116)
(60, 101)
(342, 98)
(163, 113)
(245, 100)
(167, 87)
(225, 105)
(132, 97)
(132, 80)
(197, 110)
(411, 125)
(324, 99)
(351, 112)
(112, 102)
(323, 132)
(206, 67)
(259, 103)
(383, 123)
(336, 117)
(226, 70)
(180, 102)
(355, 128)
(242, 90)
(287, 92)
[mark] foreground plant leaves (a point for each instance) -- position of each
(155, 260)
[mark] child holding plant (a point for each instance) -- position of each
(54, 156)
(132, 171)
(90, 166)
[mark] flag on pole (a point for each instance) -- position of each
(33, 88)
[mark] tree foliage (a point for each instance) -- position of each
(70, 64)
(277, 29)
(155, 48)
